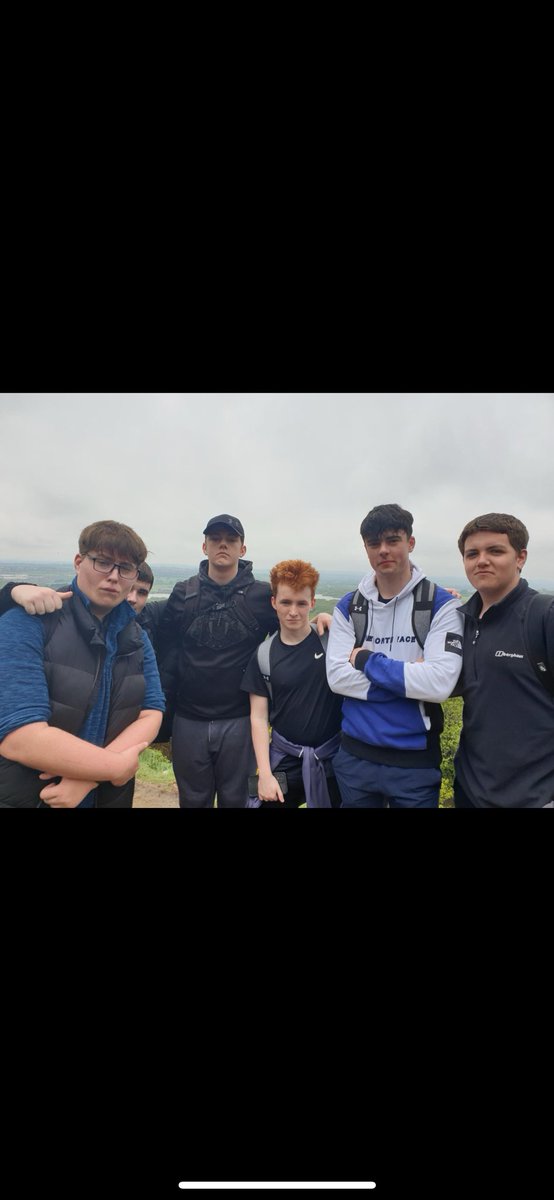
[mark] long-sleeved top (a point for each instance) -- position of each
(391, 712)
(24, 692)
(206, 638)
(506, 753)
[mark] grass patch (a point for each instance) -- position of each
(154, 767)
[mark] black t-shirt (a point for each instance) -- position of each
(304, 709)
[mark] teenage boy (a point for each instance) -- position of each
(148, 614)
(80, 693)
(211, 625)
(37, 600)
(295, 698)
(506, 753)
(391, 723)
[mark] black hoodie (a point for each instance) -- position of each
(205, 642)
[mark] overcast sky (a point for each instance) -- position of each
(301, 470)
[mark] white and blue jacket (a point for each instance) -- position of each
(391, 700)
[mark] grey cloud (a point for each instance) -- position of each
(299, 469)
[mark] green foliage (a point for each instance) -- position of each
(323, 606)
(450, 737)
(154, 767)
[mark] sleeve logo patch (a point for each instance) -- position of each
(453, 642)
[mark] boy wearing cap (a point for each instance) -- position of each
(212, 624)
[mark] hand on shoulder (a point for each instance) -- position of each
(38, 600)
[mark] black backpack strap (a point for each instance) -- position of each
(357, 611)
(534, 636)
(190, 610)
(422, 611)
(243, 611)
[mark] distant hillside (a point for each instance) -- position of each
(332, 584)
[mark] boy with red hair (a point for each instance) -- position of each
(293, 695)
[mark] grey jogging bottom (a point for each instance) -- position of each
(210, 757)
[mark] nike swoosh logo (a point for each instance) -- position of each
(319, 655)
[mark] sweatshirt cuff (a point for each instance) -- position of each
(361, 659)
(6, 602)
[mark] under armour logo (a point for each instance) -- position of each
(319, 655)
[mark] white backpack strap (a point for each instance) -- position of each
(264, 649)
(323, 637)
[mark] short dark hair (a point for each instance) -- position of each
(145, 574)
(110, 537)
(518, 536)
(386, 516)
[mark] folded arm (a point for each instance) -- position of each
(69, 792)
(432, 678)
(47, 749)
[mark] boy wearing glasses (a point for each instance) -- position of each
(80, 693)
(37, 600)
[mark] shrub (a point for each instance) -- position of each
(450, 737)
(154, 767)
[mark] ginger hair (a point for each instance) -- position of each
(295, 574)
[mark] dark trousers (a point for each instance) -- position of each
(461, 799)
(212, 757)
(365, 784)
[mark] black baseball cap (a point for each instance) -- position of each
(230, 523)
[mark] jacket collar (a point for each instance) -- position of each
(242, 578)
(92, 627)
(472, 607)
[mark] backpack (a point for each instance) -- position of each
(238, 602)
(534, 637)
(422, 612)
(264, 650)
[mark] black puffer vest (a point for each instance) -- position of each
(74, 654)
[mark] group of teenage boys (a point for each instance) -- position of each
(353, 701)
